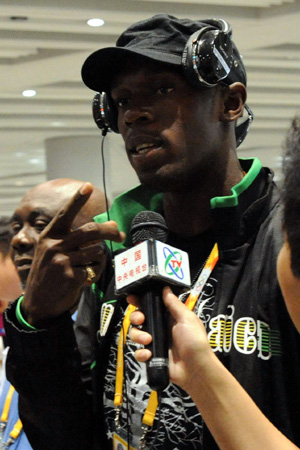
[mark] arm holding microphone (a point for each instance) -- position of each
(231, 415)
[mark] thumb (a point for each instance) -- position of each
(175, 307)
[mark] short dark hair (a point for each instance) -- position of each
(291, 192)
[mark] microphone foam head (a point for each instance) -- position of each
(148, 225)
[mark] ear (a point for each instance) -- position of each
(234, 101)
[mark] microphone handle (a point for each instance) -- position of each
(156, 324)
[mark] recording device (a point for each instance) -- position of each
(144, 270)
(210, 57)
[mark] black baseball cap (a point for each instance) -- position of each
(160, 38)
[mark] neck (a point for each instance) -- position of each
(189, 213)
(187, 216)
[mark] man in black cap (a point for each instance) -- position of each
(174, 89)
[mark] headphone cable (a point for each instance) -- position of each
(104, 132)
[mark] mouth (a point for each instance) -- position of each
(143, 146)
(23, 263)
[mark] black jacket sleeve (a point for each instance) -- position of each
(54, 400)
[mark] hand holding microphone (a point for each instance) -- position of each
(144, 270)
(190, 355)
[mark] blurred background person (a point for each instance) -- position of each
(36, 209)
(288, 265)
(10, 286)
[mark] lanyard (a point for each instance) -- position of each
(202, 278)
(118, 400)
(149, 415)
(15, 433)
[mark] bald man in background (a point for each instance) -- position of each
(34, 212)
(37, 208)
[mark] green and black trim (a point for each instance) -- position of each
(127, 205)
(252, 171)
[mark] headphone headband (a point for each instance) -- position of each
(208, 55)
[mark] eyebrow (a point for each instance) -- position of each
(34, 213)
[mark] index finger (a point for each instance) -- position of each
(62, 221)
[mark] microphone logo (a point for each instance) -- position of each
(173, 263)
(148, 261)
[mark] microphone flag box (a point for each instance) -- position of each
(148, 262)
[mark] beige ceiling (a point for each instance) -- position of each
(43, 45)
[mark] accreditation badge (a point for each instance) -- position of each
(119, 443)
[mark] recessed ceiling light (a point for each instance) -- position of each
(34, 161)
(57, 124)
(29, 93)
(95, 22)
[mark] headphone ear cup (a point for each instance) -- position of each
(207, 57)
(104, 113)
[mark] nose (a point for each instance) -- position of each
(140, 115)
(23, 240)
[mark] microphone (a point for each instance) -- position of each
(144, 270)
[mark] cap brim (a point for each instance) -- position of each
(98, 69)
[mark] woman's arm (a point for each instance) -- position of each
(229, 412)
